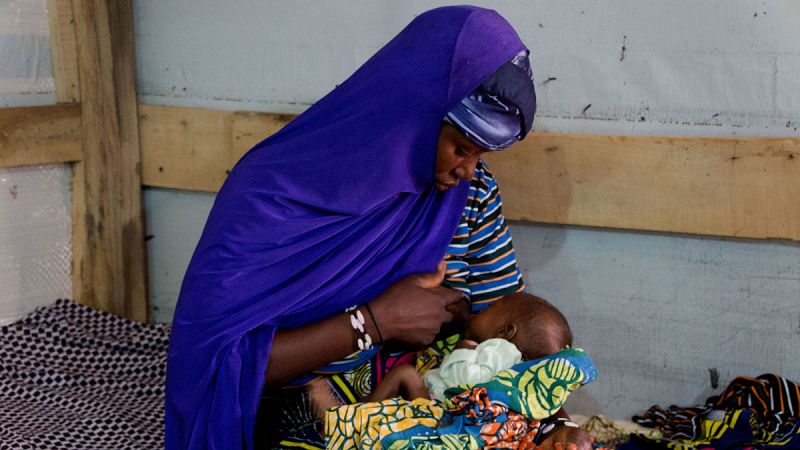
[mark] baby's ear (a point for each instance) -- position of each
(508, 332)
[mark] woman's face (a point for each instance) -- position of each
(456, 158)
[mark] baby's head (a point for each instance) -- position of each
(531, 323)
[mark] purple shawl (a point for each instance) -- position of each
(323, 215)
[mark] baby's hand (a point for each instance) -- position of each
(411, 384)
(401, 381)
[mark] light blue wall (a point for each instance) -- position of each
(655, 311)
(658, 312)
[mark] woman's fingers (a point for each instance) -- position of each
(460, 309)
(450, 302)
(414, 309)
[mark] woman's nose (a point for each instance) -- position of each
(466, 170)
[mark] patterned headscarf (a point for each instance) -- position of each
(500, 111)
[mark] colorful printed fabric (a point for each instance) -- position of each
(473, 422)
(774, 399)
(735, 429)
(537, 389)
(502, 413)
(365, 425)
(760, 413)
(433, 356)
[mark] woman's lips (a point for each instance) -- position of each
(443, 187)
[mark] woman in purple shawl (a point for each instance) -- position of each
(314, 245)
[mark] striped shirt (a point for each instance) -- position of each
(481, 262)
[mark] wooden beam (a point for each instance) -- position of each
(113, 269)
(202, 139)
(744, 187)
(40, 135)
(186, 148)
(67, 83)
(64, 51)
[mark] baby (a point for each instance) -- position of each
(518, 327)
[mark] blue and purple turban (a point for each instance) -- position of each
(323, 215)
(500, 111)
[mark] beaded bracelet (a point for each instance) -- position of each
(357, 322)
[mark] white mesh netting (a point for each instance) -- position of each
(26, 68)
(35, 238)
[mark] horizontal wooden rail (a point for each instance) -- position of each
(742, 187)
(40, 135)
(184, 148)
(745, 187)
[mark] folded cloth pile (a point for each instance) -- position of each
(505, 412)
(751, 413)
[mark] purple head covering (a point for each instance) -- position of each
(325, 214)
(500, 111)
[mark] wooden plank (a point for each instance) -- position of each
(40, 135)
(64, 51)
(744, 187)
(65, 76)
(186, 148)
(249, 128)
(80, 234)
(113, 274)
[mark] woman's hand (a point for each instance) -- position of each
(567, 438)
(410, 311)
(414, 309)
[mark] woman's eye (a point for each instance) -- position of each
(461, 152)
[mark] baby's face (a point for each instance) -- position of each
(491, 322)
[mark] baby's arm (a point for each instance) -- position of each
(321, 397)
(401, 381)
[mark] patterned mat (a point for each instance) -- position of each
(72, 377)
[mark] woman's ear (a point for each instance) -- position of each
(508, 331)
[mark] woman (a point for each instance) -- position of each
(339, 210)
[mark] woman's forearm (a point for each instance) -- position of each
(411, 310)
(299, 351)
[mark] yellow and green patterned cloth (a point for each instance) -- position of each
(501, 413)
